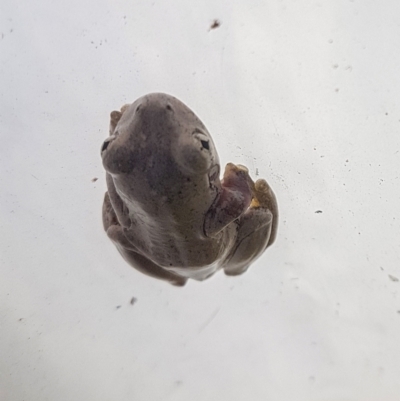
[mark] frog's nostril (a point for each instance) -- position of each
(169, 107)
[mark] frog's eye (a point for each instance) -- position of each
(202, 139)
(107, 142)
(205, 144)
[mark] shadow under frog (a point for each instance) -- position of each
(166, 209)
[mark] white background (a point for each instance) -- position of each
(306, 93)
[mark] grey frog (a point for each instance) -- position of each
(166, 209)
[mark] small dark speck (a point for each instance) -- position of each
(215, 24)
(133, 300)
(398, 312)
(393, 278)
(94, 179)
(257, 172)
(386, 114)
(20, 319)
(117, 307)
(318, 211)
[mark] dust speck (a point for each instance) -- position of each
(215, 24)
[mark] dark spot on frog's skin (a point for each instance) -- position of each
(205, 145)
(168, 107)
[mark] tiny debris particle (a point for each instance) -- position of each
(133, 300)
(118, 307)
(393, 278)
(318, 211)
(94, 179)
(215, 24)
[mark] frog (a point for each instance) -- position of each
(167, 210)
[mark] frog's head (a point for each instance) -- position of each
(157, 138)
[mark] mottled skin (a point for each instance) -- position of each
(166, 209)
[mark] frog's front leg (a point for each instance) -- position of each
(117, 235)
(256, 228)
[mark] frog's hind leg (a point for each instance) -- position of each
(254, 232)
(256, 229)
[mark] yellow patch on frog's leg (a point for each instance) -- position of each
(261, 194)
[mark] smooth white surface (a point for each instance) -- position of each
(304, 93)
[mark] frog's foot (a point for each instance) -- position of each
(253, 236)
(262, 195)
(115, 116)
